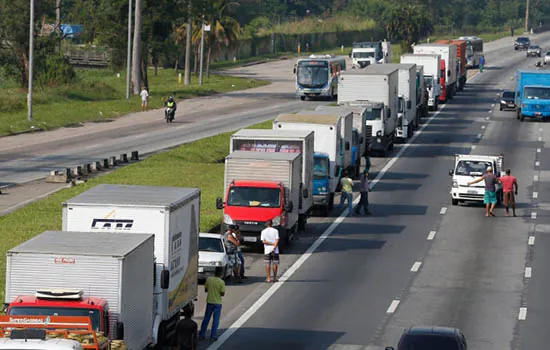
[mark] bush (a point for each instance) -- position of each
(55, 70)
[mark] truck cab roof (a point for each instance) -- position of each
(33, 344)
(324, 119)
(32, 300)
(252, 183)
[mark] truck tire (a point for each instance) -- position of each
(454, 201)
(303, 98)
(302, 222)
(330, 205)
(518, 114)
(521, 118)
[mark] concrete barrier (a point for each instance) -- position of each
(87, 168)
(105, 163)
(135, 156)
(112, 161)
(96, 166)
(76, 171)
(124, 158)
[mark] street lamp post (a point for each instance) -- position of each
(31, 54)
(527, 16)
(129, 53)
(202, 51)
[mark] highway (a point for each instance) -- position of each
(418, 260)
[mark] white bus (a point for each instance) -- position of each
(474, 50)
(317, 75)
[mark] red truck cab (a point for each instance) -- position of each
(442, 80)
(48, 304)
(250, 204)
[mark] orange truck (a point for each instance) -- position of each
(49, 329)
(460, 59)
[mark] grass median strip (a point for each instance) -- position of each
(197, 164)
(99, 95)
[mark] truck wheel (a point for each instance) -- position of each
(330, 205)
(302, 222)
(303, 98)
(517, 114)
(521, 118)
(454, 201)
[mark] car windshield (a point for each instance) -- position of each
(363, 54)
(508, 94)
(523, 40)
(320, 168)
(241, 196)
(547, 53)
(57, 311)
(424, 342)
(471, 167)
(374, 114)
(313, 73)
(534, 47)
(537, 93)
(210, 244)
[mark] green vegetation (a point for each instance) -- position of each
(198, 164)
(338, 23)
(98, 95)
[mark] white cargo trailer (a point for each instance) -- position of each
(432, 71)
(285, 141)
(407, 118)
(115, 267)
(448, 55)
(172, 214)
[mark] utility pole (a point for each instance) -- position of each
(527, 17)
(187, 78)
(129, 53)
(31, 54)
(202, 50)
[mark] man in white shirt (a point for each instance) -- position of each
(270, 239)
(144, 98)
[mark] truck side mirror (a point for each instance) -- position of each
(219, 203)
(289, 207)
(6, 306)
(164, 279)
(451, 172)
(306, 193)
(409, 104)
(294, 71)
(347, 145)
(119, 331)
(448, 73)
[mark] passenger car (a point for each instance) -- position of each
(431, 338)
(547, 57)
(522, 43)
(534, 50)
(212, 253)
(507, 100)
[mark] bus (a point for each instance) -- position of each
(474, 50)
(317, 76)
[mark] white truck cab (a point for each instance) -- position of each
(467, 168)
(36, 339)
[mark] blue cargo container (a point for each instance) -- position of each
(532, 94)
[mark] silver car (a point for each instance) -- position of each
(534, 50)
(547, 57)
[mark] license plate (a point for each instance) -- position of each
(510, 105)
(201, 269)
(538, 113)
(472, 192)
(250, 239)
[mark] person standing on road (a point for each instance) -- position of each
(367, 160)
(509, 188)
(144, 98)
(232, 246)
(481, 63)
(215, 290)
(364, 189)
(490, 199)
(239, 239)
(270, 239)
(186, 332)
(347, 192)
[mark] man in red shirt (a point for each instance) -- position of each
(509, 188)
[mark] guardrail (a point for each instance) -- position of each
(88, 58)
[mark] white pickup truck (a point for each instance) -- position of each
(467, 168)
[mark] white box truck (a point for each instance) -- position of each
(448, 56)
(359, 144)
(407, 118)
(262, 186)
(287, 141)
(377, 86)
(421, 93)
(106, 276)
(432, 75)
(365, 53)
(329, 148)
(171, 214)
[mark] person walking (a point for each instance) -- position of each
(510, 190)
(186, 332)
(215, 290)
(481, 63)
(364, 190)
(270, 239)
(144, 98)
(367, 160)
(238, 237)
(347, 192)
(490, 199)
(232, 246)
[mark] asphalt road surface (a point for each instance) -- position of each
(418, 260)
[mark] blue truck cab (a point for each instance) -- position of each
(532, 94)
(324, 185)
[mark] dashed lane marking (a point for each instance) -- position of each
(416, 266)
(393, 306)
(531, 240)
(431, 235)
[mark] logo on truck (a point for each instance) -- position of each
(107, 224)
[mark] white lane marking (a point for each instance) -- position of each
(269, 293)
(531, 240)
(540, 138)
(483, 127)
(535, 178)
(537, 163)
(490, 111)
(522, 315)
(487, 118)
(443, 211)
(479, 136)
(431, 235)
(538, 150)
(474, 147)
(416, 266)
(533, 215)
(393, 306)
(528, 272)
(535, 195)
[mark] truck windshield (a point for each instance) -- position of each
(313, 74)
(374, 114)
(472, 167)
(240, 196)
(428, 81)
(320, 168)
(428, 342)
(401, 105)
(210, 244)
(57, 311)
(363, 54)
(537, 93)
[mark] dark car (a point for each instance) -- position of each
(431, 338)
(522, 43)
(507, 100)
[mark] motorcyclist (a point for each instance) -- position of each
(170, 103)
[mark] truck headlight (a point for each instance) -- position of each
(503, 102)
(379, 140)
(379, 133)
(455, 184)
(276, 221)
(227, 219)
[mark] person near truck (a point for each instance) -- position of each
(481, 63)
(232, 245)
(364, 189)
(186, 331)
(215, 290)
(347, 192)
(490, 199)
(510, 190)
(270, 239)
(238, 237)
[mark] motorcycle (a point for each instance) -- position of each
(169, 114)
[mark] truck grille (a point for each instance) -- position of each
(368, 134)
